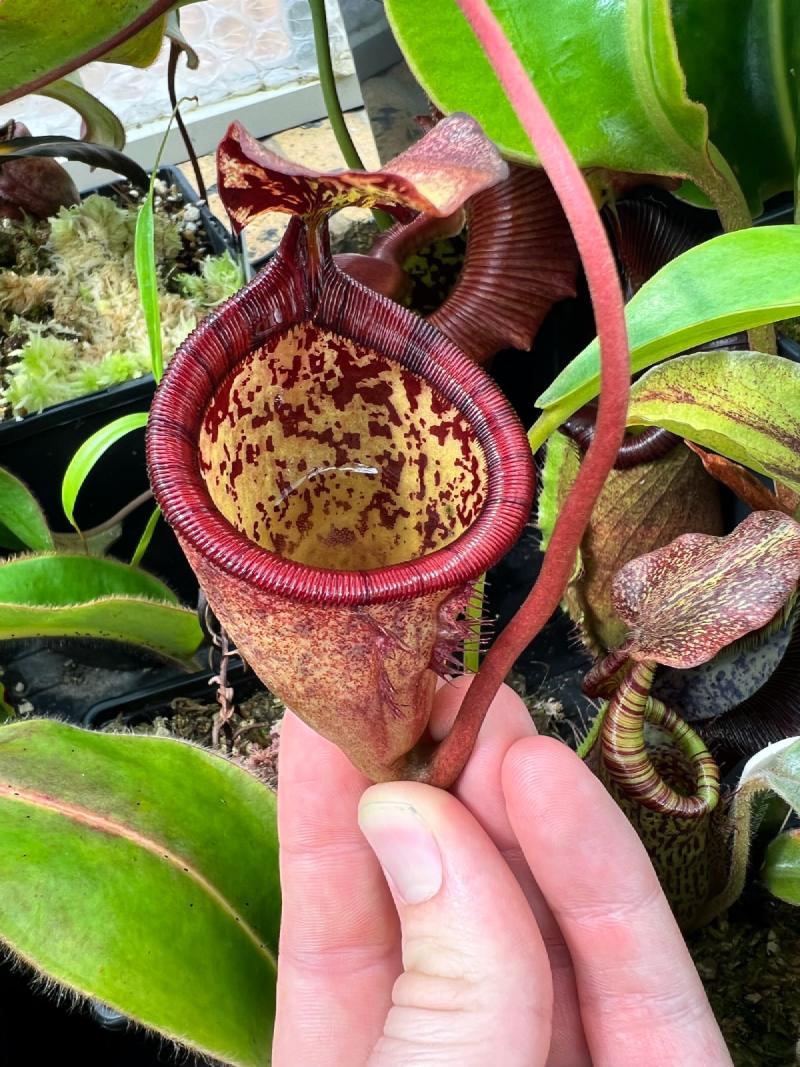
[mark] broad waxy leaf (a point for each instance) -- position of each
(143, 48)
(81, 464)
(101, 125)
(781, 870)
(21, 516)
(447, 166)
(744, 405)
(40, 41)
(143, 872)
(733, 282)
(608, 73)
(688, 600)
(52, 595)
(740, 58)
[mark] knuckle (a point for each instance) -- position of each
(442, 953)
(434, 992)
(600, 911)
(418, 1036)
(665, 1006)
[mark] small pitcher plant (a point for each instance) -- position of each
(683, 604)
(338, 472)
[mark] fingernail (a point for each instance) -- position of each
(405, 847)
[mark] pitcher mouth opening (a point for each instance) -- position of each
(349, 455)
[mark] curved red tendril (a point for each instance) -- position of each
(607, 301)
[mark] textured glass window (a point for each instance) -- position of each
(244, 46)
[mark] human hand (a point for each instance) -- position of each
(524, 926)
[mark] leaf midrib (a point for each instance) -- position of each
(92, 821)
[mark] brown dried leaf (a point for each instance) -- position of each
(437, 174)
(739, 480)
(687, 601)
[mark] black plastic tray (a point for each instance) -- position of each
(37, 448)
(150, 702)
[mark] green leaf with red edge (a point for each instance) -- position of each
(143, 872)
(447, 166)
(744, 405)
(41, 41)
(142, 49)
(688, 600)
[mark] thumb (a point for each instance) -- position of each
(475, 987)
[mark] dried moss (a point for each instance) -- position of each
(251, 739)
(70, 318)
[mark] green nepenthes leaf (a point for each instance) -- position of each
(744, 405)
(147, 536)
(781, 870)
(21, 516)
(40, 42)
(81, 464)
(143, 872)
(147, 280)
(608, 72)
(734, 282)
(101, 125)
(740, 59)
(561, 464)
(143, 48)
(451, 163)
(686, 601)
(52, 595)
(144, 254)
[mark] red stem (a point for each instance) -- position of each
(604, 288)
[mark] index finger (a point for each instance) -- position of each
(641, 999)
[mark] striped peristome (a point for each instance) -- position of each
(626, 758)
